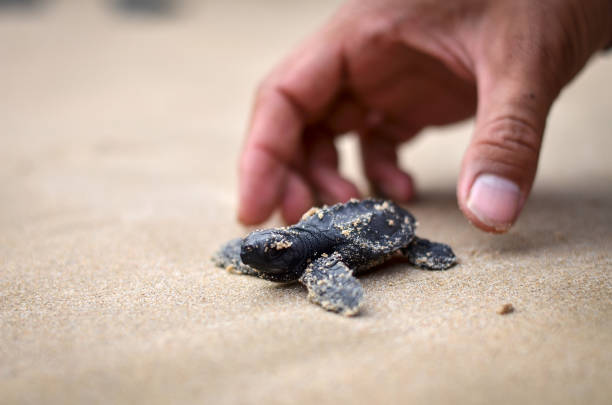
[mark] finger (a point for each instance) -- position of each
(322, 168)
(264, 164)
(298, 92)
(500, 163)
(347, 115)
(297, 198)
(380, 162)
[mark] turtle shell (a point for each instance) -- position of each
(364, 232)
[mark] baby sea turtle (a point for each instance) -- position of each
(329, 245)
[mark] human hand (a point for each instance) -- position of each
(385, 69)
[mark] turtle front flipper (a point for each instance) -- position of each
(228, 258)
(429, 255)
(331, 284)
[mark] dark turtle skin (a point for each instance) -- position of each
(332, 244)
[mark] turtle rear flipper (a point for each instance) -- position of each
(429, 255)
(331, 284)
(228, 258)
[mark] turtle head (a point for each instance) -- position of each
(274, 252)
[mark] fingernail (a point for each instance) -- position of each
(494, 201)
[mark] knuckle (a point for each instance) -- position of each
(512, 142)
(552, 56)
(375, 32)
(264, 86)
(378, 30)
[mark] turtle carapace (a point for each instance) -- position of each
(330, 245)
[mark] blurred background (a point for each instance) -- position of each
(146, 89)
(125, 87)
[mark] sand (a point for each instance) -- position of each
(118, 143)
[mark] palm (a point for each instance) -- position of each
(376, 86)
(387, 93)
(409, 89)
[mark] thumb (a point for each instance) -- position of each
(500, 163)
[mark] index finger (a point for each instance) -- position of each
(297, 93)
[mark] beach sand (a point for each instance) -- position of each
(119, 138)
